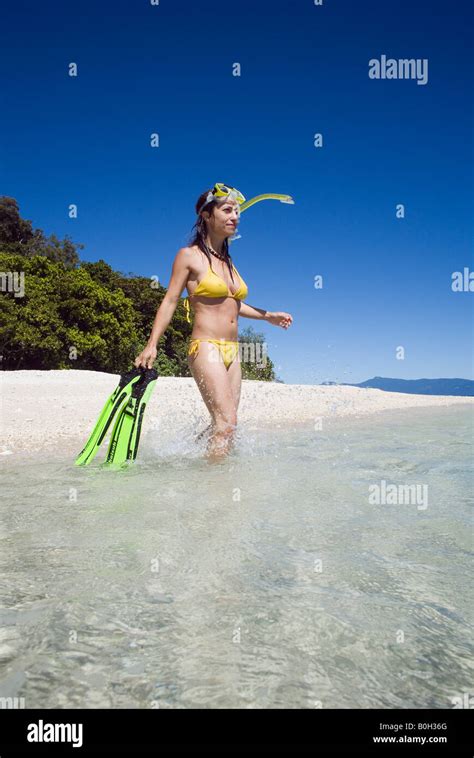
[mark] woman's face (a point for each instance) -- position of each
(225, 218)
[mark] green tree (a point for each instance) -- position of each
(255, 362)
(64, 320)
(17, 236)
(102, 273)
(147, 295)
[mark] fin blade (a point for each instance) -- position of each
(125, 436)
(113, 405)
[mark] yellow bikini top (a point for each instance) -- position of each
(213, 286)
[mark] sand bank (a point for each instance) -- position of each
(57, 409)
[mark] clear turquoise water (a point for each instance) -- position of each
(265, 581)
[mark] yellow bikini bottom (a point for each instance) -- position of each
(227, 349)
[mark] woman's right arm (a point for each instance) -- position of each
(179, 276)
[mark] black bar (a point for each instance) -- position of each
(318, 731)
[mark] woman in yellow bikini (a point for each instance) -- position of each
(217, 292)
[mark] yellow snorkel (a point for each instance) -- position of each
(269, 196)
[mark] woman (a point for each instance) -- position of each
(205, 268)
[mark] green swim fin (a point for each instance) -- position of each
(119, 397)
(125, 437)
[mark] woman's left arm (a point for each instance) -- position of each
(277, 319)
(248, 311)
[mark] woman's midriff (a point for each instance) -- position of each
(217, 320)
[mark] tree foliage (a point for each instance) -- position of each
(18, 236)
(255, 361)
(64, 320)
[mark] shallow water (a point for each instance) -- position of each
(265, 581)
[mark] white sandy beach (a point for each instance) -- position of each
(42, 410)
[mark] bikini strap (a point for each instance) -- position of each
(187, 309)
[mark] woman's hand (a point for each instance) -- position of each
(280, 319)
(147, 357)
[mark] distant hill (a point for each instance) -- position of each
(464, 387)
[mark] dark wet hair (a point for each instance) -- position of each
(199, 236)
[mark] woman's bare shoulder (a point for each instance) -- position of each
(190, 256)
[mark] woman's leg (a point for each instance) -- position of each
(234, 372)
(218, 393)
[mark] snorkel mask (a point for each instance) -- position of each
(225, 190)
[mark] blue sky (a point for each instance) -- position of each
(304, 70)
